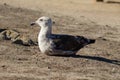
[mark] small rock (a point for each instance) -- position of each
(24, 40)
(9, 34)
(5, 4)
(3, 66)
(16, 37)
(2, 30)
(49, 67)
(102, 38)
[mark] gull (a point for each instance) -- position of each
(58, 44)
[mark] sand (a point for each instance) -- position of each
(99, 61)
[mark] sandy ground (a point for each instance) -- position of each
(97, 12)
(99, 61)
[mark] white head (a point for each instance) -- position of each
(43, 22)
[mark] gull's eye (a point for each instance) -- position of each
(41, 19)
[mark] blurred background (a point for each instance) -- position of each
(100, 11)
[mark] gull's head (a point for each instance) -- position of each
(43, 22)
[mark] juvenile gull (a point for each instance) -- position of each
(57, 44)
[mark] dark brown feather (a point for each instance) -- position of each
(68, 42)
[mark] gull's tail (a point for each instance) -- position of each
(84, 41)
(90, 41)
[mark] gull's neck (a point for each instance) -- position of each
(43, 38)
(45, 32)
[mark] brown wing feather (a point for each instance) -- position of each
(68, 42)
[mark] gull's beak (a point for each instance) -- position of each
(33, 23)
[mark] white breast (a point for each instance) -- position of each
(44, 44)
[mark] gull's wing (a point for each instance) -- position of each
(68, 42)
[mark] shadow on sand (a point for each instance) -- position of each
(102, 59)
(116, 62)
(112, 2)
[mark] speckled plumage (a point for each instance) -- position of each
(57, 44)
